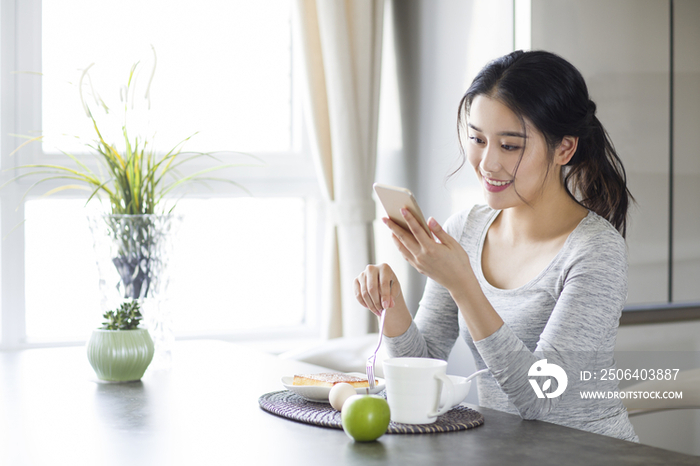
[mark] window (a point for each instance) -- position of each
(225, 70)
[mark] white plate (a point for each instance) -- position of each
(320, 394)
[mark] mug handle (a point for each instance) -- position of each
(449, 395)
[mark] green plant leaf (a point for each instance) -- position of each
(177, 183)
(64, 187)
(126, 317)
(37, 138)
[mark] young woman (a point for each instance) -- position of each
(538, 273)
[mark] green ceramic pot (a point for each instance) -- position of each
(120, 355)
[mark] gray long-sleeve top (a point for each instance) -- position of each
(568, 315)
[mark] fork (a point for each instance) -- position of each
(372, 359)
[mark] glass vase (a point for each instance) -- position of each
(133, 253)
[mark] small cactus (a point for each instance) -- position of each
(126, 317)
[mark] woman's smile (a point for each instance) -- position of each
(494, 185)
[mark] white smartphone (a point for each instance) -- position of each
(394, 199)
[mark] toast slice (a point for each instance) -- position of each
(329, 379)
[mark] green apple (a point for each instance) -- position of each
(365, 417)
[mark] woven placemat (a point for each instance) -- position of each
(291, 406)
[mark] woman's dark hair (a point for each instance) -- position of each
(551, 93)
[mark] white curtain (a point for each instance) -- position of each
(342, 43)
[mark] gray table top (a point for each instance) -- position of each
(205, 411)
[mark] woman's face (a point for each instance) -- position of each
(495, 144)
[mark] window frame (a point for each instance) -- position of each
(285, 174)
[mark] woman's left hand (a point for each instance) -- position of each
(445, 261)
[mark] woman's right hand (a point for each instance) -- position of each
(377, 288)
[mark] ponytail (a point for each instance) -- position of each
(551, 93)
(595, 176)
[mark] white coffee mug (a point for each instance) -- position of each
(413, 388)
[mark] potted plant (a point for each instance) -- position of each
(132, 240)
(120, 351)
